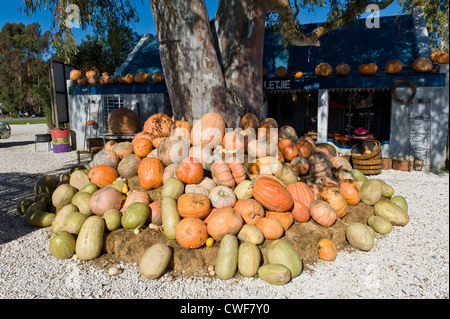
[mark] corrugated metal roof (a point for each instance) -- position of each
(355, 45)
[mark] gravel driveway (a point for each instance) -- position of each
(410, 262)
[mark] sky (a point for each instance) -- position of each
(9, 12)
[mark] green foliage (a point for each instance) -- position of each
(22, 66)
(101, 16)
(436, 16)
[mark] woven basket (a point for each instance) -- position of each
(371, 163)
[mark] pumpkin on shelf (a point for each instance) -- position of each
(422, 65)
(342, 69)
(158, 77)
(394, 67)
(128, 79)
(91, 73)
(281, 72)
(440, 57)
(323, 69)
(368, 69)
(142, 77)
(75, 75)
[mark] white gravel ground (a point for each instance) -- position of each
(411, 262)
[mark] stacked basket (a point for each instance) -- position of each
(370, 163)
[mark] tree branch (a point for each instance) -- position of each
(287, 19)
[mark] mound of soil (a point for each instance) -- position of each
(130, 247)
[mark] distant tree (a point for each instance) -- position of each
(23, 50)
(436, 16)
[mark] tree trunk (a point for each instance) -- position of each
(239, 27)
(194, 77)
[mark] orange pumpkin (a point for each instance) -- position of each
(394, 67)
(233, 141)
(194, 205)
(288, 149)
(322, 213)
(249, 120)
(75, 75)
(191, 233)
(271, 228)
(142, 77)
(141, 135)
(272, 194)
(300, 191)
(142, 147)
(90, 73)
(305, 148)
(208, 130)
(368, 69)
(102, 175)
(222, 174)
(237, 169)
(326, 249)
(128, 79)
(224, 221)
(323, 69)
(181, 129)
(286, 219)
(332, 195)
(189, 171)
(158, 77)
(300, 212)
(350, 189)
(158, 125)
(250, 210)
(150, 173)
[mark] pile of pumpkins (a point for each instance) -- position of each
(92, 78)
(235, 188)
